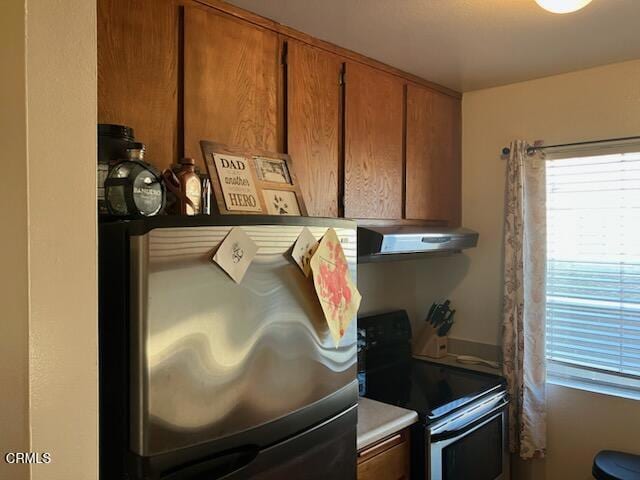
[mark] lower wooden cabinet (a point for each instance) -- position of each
(388, 459)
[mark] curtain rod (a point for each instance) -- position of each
(532, 148)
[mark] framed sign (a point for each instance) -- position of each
(255, 182)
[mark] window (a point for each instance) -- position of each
(593, 270)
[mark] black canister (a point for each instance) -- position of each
(113, 142)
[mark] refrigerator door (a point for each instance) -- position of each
(236, 364)
(325, 451)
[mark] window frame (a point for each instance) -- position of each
(564, 373)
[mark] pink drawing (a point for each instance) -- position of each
(337, 293)
(333, 282)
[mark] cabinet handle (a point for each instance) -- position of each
(380, 445)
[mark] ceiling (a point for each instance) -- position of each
(468, 44)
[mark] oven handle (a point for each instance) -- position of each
(439, 437)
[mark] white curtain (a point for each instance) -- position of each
(524, 300)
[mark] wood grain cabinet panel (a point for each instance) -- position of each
(178, 72)
(433, 168)
(138, 72)
(313, 125)
(231, 76)
(389, 459)
(373, 143)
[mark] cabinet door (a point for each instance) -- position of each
(138, 74)
(373, 143)
(231, 73)
(433, 156)
(386, 460)
(313, 125)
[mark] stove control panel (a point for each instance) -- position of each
(377, 331)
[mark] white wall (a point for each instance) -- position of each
(413, 286)
(62, 113)
(591, 104)
(49, 279)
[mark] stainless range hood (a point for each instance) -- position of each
(408, 241)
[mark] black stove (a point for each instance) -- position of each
(431, 389)
(462, 413)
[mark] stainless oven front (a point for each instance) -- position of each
(471, 444)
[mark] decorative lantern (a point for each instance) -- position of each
(134, 188)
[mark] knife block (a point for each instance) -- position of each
(429, 344)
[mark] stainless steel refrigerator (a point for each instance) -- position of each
(203, 378)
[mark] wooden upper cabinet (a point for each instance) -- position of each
(433, 169)
(373, 143)
(138, 72)
(313, 125)
(231, 78)
(385, 145)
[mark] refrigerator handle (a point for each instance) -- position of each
(216, 467)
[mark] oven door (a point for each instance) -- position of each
(471, 444)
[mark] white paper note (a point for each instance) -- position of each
(235, 254)
(303, 250)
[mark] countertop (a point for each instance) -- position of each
(377, 420)
(450, 360)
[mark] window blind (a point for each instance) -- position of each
(593, 269)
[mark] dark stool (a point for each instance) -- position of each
(610, 465)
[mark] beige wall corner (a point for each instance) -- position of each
(61, 139)
(598, 103)
(14, 291)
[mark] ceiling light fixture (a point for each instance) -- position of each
(563, 6)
